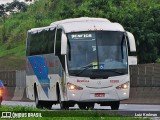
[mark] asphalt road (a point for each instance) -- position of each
(123, 107)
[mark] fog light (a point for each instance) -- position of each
(124, 93)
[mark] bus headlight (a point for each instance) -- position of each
(123, 86)
(73, 87)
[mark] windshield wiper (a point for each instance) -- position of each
(90, 65)
(115, 71)
(85, 68)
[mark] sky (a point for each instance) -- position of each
(6, 1)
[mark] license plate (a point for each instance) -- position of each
(99, 94)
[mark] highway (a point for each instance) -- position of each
(123, 107)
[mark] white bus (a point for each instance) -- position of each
(78, 61)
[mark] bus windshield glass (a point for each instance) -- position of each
(97, 54)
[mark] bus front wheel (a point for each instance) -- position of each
(115, 105)
(63, 105)
(84, 106)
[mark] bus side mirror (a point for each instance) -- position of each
(132, 43)
(64, 44)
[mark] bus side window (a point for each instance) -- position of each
(28, 44)
(41, 42)
(35, 42)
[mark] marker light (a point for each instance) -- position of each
(73, 87)
(123, 86)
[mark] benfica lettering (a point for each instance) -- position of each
(114, 81)
(82, 80)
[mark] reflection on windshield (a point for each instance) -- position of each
(103, 51)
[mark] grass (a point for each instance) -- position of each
(63, 115)
(18, 51)
(17, 108)
(86, 118)
(12, 59)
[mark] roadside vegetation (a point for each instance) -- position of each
(141, 17)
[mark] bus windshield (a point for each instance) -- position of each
(97, 54)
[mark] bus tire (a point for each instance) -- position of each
(90, 106)
(115, 105)
(63, 105)
(48, 105)
(86, 106)
(82, 107)
(37, 102)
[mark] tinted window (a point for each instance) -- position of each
(42, 42)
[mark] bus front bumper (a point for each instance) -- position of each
(97, 95)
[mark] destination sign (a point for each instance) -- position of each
(83, 36)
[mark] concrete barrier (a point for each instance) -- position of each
(18, 93)
(144, 95)
(15, 94)
(16, 85)
(8, 93)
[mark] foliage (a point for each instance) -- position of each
(141, 17)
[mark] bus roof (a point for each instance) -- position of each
(35, 30)
(81, 24)
(81, 19)
(86, 24)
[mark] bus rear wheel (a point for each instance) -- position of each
(37, 102)
(48, 105)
